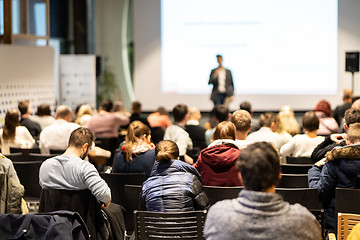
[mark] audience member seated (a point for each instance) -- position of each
(254, 122)
(43, 116)
(11, 190)
(119, 109)
(56, 136)
(341, 169)
(160, 118)
(219, 114)
(328, 124)
(84, 115)
(352, 115)
(259, 212)
(136, 114)
(216, 163)
(137, 155)
(302, 145)
(177, 133)
(340, 110)
(288, 126)
(70, 172)
(267, 132)
(173, 185)
(242, 121)
(33, 127)
(196, 132)
(106, 124)
(14, 135)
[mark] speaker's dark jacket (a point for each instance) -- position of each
(229, 84)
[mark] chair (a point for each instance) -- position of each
(132, 202)
(169, 225)
(28, 173)
(25, 152)
(117, 181)
(109, 144)
(294, 181)
(307, 197)
(298, 160)
(295, 168)
(40, 157)
(345, 199)
(57, 151)
(346, 222)
(15, 157)
(216, 194)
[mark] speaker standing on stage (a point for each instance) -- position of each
(223, 85)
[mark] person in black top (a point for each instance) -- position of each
(33, 127)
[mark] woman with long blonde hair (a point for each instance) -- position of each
(137, 154)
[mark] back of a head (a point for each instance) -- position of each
(353, 133)
(43, 110)
(162, 111)
(136, 107)
(325, 107)
(179, 112)
(107, 105)
(80, 136)
(267, 118)
(246, 106)
(347, 95)
(194, 113)
(85, 109)
(259, 165)
(135, 132)
(23, 106)
(119, 106)
(221, 112)
(352, 115)
(225, 130)
(287, 121)
(10, 124)
(310, 121)
(62, 112)
(166, 150)
(242, 120)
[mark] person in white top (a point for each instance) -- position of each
(14, 135)
(56, 136)
(242, 121)
(302, 145)
(43, 116)
(267, 132)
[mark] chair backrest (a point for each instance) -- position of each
(169, 225)
(109, 144)
(28, 173)
(308, 197)
(117, 181)
(57, 151)
(15, 157)
(345, 199)
(295, 168)
(294, 181)
(25, 152)
(157, 134)
(298, 160)
(346, 222)
(216, 194)
(132, 202)
(40, 157)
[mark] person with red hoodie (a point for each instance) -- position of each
(216, 163)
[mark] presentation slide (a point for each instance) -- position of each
(277, 47)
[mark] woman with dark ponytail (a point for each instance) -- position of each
(173, 184)
(138, 154)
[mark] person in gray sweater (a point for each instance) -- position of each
(259, 212)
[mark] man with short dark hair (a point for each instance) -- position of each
(33, 127)
(136, 113)
(341, 109)
(218, 114)
(267, 132)
(106, 124)
(259, 212)
(177, 132)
